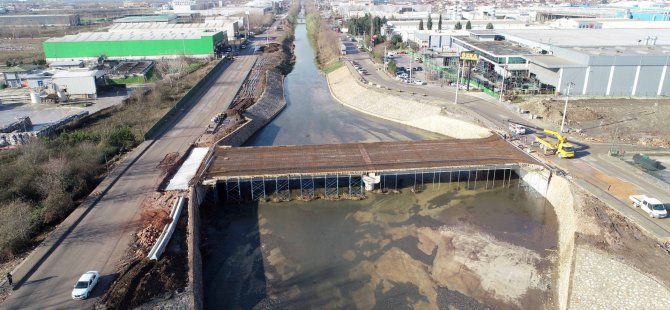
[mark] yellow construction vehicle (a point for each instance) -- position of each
(562, 148)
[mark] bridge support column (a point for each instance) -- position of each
(370, 180)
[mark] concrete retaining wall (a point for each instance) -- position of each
(557, 190)
(261, 113)
(196, 195)
(347, 91)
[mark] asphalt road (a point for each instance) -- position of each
(590, 158)
(96, 238)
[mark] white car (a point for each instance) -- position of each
(651, 206)
(85, 284)
(419, 82)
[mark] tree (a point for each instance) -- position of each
(396, 39)
(421, 24)
(392, 66)
(489, 26)
(430, 23)
(439, 23)
(468, 25)
(458, 26)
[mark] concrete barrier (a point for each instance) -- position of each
(165, 236)
(196, 196)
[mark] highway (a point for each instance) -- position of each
(97, 237)
(590, 158)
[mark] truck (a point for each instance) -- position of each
(561, 147)
(652, 206)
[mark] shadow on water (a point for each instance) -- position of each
(233, 272)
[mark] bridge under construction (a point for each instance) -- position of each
(336, 170)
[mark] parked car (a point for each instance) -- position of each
(419, 68)
(651, 206)
(419, 82)
(85, 284)
(517, 129)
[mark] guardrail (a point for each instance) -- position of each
(164, 238)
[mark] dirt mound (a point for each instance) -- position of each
(271, 48)
(636, 121)
(168, 163)
(141, 280)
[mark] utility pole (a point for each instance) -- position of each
(458, 77)
(411, 60)
(502, 85)
(565, 108)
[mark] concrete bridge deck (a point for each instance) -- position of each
(358, 158)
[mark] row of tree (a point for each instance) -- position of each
(457, 26)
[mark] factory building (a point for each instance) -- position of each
(39, 20)
(229, 27)
(135, 45)
(593, 62)
(83, 83)
(162, 19)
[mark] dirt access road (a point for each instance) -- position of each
(630, 121)
(96, 237)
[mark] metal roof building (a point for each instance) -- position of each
(594, 62)
(134, 45)
(163, 18)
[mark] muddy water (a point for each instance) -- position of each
(312, 116)
(439, 248)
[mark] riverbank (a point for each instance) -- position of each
(350, 92)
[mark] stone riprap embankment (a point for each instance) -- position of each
(600, 281)
(349, 92)
(262, 112)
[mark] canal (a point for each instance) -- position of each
(313, 116)
(445, 246)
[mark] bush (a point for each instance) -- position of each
(120, 138)
(56, 206)
(15, 227)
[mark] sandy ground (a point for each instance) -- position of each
(634, 121)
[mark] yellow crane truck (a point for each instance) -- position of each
(562, 148)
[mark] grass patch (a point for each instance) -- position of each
(332, 66)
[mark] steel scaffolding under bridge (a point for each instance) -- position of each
(334, 170)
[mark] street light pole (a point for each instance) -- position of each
(565, 108)
(458, 78)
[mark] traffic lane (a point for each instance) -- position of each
(101, 239)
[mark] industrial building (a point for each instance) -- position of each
(39, 20)
(593, 62)
(231, 28)
(82, 84)
(162, 19)
(135, 45)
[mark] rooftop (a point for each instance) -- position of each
(590, 37)
(170, 27)
(497, 48)
(551, 61)
(146, 18)
(133, 36)
(73, 74)
(641, 50)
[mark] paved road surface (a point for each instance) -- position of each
(96, 238)
(589, 158)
